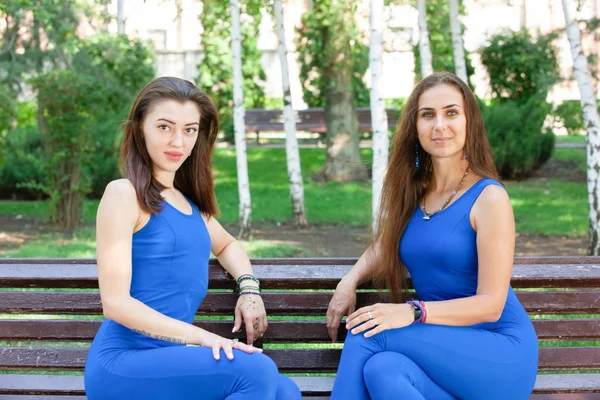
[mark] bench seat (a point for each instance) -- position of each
(50, 310)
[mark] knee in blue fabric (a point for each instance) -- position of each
(287, 389)
(261, 375)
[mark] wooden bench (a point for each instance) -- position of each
(36, 337)
(309, 120)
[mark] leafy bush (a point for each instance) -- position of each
(515, 131)
(569, 112)
(520, 66)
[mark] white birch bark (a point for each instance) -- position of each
(424, 46)
(120, 17)
(379, 120)
(591, 121)
(289, 123)
(460, 64)
(238, 120)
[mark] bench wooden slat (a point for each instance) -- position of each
(299, 303)
(292, 274)
(278, 331)
(288, 360)
(57, 385)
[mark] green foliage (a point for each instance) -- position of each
(326, 20)
(215, 71)
(515, 130)
(440, 39)
(520, 66)
(569, 112)
(123, 66)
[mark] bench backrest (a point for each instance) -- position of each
(310, 119)
(36, 295)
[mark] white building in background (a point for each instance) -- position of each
(174, 28)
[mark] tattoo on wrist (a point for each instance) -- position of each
(160, 337)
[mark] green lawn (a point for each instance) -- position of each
(571, 138)
(546, 207)
(82, 244)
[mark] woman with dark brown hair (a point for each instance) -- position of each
(447, 221)
(155, 231)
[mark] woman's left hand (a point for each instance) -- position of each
(250, 309)
(380, 317)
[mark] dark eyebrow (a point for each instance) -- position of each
(173, 123)
(431, 109)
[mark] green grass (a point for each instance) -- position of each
(336, 203)
(550, 207)
(570, 138)
(82, 244)
(545, 207)
(573, 158)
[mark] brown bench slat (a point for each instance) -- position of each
(560, 384)
(279, 331)
(290, 273)
(288, 360)
(299, 303)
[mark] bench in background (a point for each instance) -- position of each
(310, 120)
(32, 344)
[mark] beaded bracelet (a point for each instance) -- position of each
(245, 278)
(247, 292)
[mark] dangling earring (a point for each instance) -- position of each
(466, 155)
(417, 156)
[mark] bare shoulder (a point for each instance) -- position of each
(492, 195)
(119, 199)
(492, 207)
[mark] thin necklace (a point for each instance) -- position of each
(427, 216)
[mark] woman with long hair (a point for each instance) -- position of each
(155, 231)
(446, 220)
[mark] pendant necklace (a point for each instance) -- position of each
(427, 216)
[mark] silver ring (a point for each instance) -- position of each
(370, 315)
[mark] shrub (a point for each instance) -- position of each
(515, 131)
(519, 66)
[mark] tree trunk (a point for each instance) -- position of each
(591, 122)
(424, 47)
(460, 64)
(291, 143)
(378, 114)
(238, 121)
(120, 17)
(342, 138)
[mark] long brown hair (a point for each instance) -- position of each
(404, 184)
(194, 177)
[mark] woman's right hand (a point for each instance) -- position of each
(216, 343)
(342, 303)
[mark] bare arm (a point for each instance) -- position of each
(493, 219)
(250, 308)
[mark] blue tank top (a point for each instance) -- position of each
(441, 257)
(169, 274)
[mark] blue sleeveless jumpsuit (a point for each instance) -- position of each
(170, 274)
(488, 361)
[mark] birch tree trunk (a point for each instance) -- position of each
(460, 64)
(378, 114)
(238, 121)
(591, 122)
(120, 17)
(424, 47)
(289, 122)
